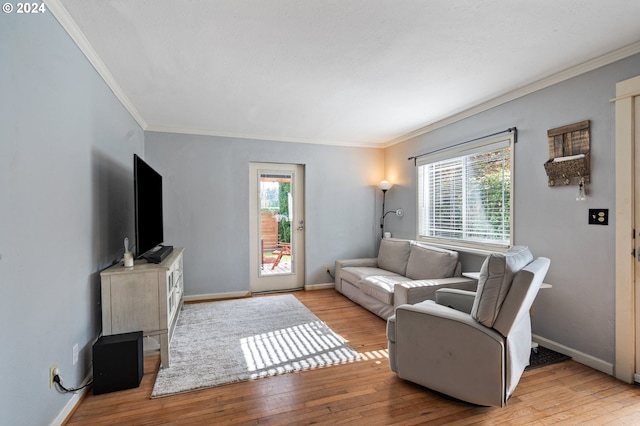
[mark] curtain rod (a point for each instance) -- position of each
(513, 130)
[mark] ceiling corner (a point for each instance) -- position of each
(66, 21)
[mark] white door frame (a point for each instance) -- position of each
(260, 282)
(627, 304)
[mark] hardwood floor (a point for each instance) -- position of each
(367, 392)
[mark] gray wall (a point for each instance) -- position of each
(579, 311)
(206, 189)
(66, 203)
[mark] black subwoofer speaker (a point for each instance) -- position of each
(118, 362)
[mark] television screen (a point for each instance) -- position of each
(148, 206)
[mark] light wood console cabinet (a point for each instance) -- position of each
(147, 297)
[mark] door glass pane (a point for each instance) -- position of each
(276, 217)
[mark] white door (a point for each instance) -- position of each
(276, 205)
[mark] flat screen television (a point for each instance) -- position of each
(147, 190)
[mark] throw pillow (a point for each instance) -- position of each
(428, 262)
(393, 255)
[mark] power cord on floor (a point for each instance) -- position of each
(58, 381)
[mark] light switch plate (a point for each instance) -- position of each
(598, 216)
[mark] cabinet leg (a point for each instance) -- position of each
(164, 351)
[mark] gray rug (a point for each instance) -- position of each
(231, 341)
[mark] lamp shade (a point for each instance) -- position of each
(385, 185)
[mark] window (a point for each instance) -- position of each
(464, 196)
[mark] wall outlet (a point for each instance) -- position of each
(598, 216)
(53, 370)
(74, 354)
(327, 268)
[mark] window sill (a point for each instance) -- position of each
(475, 249)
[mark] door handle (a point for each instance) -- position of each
(300, 225)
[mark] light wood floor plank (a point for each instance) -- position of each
(366, 392)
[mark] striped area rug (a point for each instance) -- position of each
(230, 341)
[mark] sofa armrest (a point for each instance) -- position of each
(344, 263)
(460, 300)
(412, 292)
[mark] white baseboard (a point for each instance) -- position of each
(581, 357)
(216, 296)
(238, 294)
(321, 286)
(73, 402)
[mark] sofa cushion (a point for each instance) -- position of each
(428, 262)
(393, 255)
(354, 274)
(381, 286)
(496, 275)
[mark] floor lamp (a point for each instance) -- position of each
(385, 186)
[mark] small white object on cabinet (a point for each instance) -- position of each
(145, 297)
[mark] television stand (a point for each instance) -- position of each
(146, 297)
(158, 255)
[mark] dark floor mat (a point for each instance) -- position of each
(544, 357)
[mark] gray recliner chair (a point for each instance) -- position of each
(473, 346)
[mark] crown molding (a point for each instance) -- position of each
(164, 129)
(70, 26)
(567, 74)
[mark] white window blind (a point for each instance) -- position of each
(465, 196)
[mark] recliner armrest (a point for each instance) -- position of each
(432, 309)
(460, 300)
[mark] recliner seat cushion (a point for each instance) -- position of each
(427, 262)
(496, 276)
(393, 255)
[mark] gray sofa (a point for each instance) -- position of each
(405, 271)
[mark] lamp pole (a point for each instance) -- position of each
(384, 186)
(384, 194)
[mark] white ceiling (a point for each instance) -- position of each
(353, 72)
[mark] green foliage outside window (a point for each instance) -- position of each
(284, 226)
